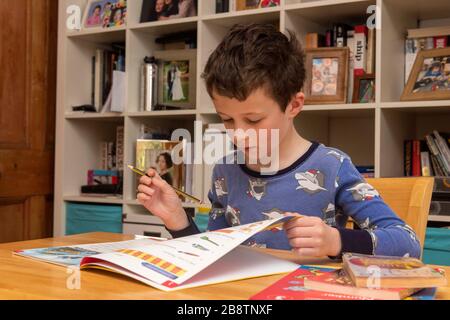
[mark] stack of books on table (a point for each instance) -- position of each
(362, 277)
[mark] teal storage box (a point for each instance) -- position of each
(437, 246)
(84, 218)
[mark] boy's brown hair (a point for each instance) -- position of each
(256, 56)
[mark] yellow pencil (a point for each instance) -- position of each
(179, 192)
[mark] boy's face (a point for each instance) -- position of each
(258, 112)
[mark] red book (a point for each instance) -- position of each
(360, 51)
(440, 42)
(291, 287)
(416, 170)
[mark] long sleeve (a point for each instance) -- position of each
(217, 195)
(217, 218)
(357, 199)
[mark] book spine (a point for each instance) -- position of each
(444, 153)
(429, 43)
(361, 49)
(120, 147)
(93, 73)
(111, 155)
(416, 159)
(329, 41)
(371, 51)
(436, 168)
(104, 156)
(425, 164)
(341, 36)
(351, 64)
(408, 158)
(440, 42)
(98, 79)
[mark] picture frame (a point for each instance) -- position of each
(430, 76)
(177, 74)
(101, 14)
(364, 90)
(158, 155)
(255, 4)
(159, 10)
(326, 75)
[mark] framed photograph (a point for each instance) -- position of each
(105, 14)
(158, 10)
(255, 4)
(158, 154)
(430, 76)
(177, 78)
(364, 89)
(326, 75)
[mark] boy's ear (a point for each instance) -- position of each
(296, 105)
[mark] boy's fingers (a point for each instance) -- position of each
(160, 183)
(303, 243)
(145, 180)
(152, 172)
(301, 232)
(142, 198)
(301, 222)
(146, 190)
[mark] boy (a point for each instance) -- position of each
(255, 78)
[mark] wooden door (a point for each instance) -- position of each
(28, 42)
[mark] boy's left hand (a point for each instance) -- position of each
(312, 237)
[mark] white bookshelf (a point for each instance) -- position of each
(372, 134)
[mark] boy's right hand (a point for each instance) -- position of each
(157, 196)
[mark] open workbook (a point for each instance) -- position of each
(197, 260)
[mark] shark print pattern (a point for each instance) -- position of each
(311, 181)
(233, 216)
(257, 188)
(221, 187)
(363, 191)
(337, 155)
(272, 213)
(216, 213)
(329, 214)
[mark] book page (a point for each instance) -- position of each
(241, 263)
(173, 262)
(72, 255)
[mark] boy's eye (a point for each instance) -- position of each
(227, 120)
(253, 120)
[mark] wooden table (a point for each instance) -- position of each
(22, 278)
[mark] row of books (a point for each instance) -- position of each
(239, 5)
(108, 79)
(428, 157)
(112, 152)
(359, 39)
(362, 277)
(106, 179)
(423, 39)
